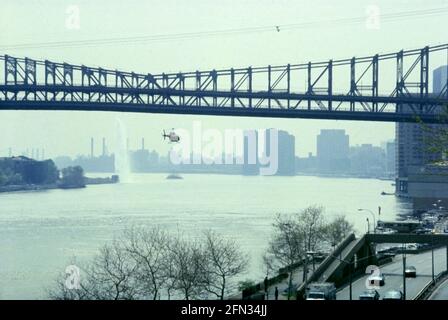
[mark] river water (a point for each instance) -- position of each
(40, 232)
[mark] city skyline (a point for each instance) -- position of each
(365, 160)
(101, 145)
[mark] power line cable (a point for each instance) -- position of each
(392, 17)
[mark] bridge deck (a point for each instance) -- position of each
(306, 90)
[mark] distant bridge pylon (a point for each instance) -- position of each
(384, 87)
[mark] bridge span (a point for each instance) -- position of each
(383, 87)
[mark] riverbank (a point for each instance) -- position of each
(344, 176)
(27, 187)
(41, 187)
(102, 180)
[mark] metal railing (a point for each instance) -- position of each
(429, 288)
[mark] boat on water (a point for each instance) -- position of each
(387, 193)
(174, 177)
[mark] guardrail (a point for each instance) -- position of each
(427, 290)
(325, 264)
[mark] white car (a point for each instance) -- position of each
(411, 246)
(377, 280)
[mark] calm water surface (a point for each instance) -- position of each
(41, 231)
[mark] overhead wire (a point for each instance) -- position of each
(391, 17)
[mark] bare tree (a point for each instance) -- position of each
(268, 263)
(294, 236)
(143, 263)
(338, 229)
(311, 224)
(185, 258)
(61, 291)
(286, 244)
(111, 275)
(170, 283)
(222, 260)
(149, 249)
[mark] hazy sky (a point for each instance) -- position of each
(25, 22)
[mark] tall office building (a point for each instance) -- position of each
(285, 152)
(390, 158)
(367, 160)
(412, 150)
(333, 147)
(412, 147)
(439, 79)
(104, 147)
(251, 167)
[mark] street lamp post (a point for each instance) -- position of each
(432, 259)
(351, 278)
(349, 264)
(404, 273)
(305, 270)
(368, 225)
(373, 216)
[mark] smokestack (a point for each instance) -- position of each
(104, 146)
(10, 152)
(127, 144)
(143, 143)
(37, 154)
(43, 154)
(91, 147)
(32, 153)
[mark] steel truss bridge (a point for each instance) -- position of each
(384, 87)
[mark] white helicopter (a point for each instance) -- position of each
(172, 136)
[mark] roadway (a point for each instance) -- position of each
(441, 293)
(394, 275)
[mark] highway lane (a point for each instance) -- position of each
(441, 293)
(394, 279)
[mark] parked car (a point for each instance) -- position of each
(411, 246)
(369, 295)
(410, 272)
(393, 295)
(389, 231)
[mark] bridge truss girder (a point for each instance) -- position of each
(268, 88)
